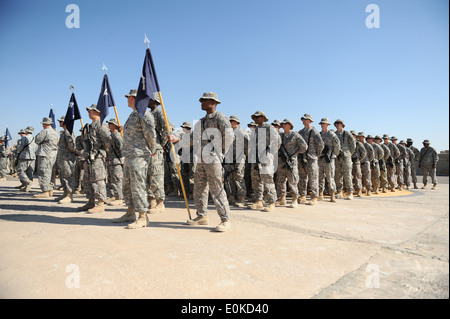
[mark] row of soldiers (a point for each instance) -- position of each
(135, 165)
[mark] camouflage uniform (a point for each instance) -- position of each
(390, 163)
(3, 158)
(415, 163)
(47, 141)
(209, 173)
(188, 165)
(378, 155)
(428, 159)
(155, 176)
(308, 166)
(326, 166)
(237, 167)
(343, 174)
(27, 150)
(96, 147)
(262, 160)
(115, 165)
(358, 155)
(365, 167)
(294, 143)
(78, 170)
(399, 165)
(66, 158)
(384, 182)
(139, 139)
(408, 162)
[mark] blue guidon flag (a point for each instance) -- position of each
(51, 115)
(72, 114)
(8, 137)
(148, 84)
(105, 99)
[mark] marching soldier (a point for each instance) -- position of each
(330, 151)
(78, 170)
(292, 143)
(408, 161)
(383, 169)
(308, 162)
(188, 164)
(26, 154)
(358, 155)
(399, 163)
(262, 171)
(428, 159)
(66, 158)
(209, 173)
(343, 175)
(47, 141)
(390, 163)
(378, 155)
(3, 159)
(139, 142)
(365, 164)
(96, 148)
(155, 175)
(115, 164)
(415, 163)
(236, 169)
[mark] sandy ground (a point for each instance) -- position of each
(371, 247)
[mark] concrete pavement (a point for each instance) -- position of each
(377, 247)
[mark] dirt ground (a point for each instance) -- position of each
(371, 247)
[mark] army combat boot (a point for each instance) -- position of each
(67, 199)
(281, 201)
(223, 226)
(434, 186)
(333, 197)
(129, 216)
(269, 207)
(159, 207)
(424, 186)
(141, 222)
(90, 204)
(42, 195)
(313, 201)
(320, 196)
(294, 203)
(302, 199)
(99, 208)
(116, 202)
(415, 186)
(240, 202)
(199, 220)
(257, 205)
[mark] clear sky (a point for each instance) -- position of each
(285, 58)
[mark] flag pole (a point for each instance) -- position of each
(56, 130)
(166, 120)
(115, 109)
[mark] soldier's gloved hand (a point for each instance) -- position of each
(172, 138)
(120, 128)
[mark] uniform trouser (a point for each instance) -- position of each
(407, 174)
(95, 179)
(391, 176)
(248, 179)
(309, 175)
(115, 180)
(45, 169)
(78, 173)
(3, 166)
(375, 173)
(135, 171)
(237, 181)
(155, 176)
(399, 172)
(209, 177)
(25, 169)
(187, 173)
(66, 174)
(357, 176)
(413, 172)
(326, 173)
(428, 170)
(366, 175)
(262, 179)
(383, 176)
(284, 174)
(343, 174)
